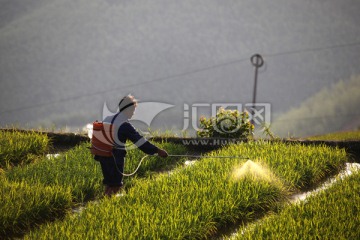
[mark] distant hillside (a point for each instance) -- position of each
(331, 109)
(11, 10)
(61, 59)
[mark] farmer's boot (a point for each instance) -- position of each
(115, 190)
(108, 191)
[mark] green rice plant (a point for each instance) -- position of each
(188, 203)
(300, 166)
(74, 169)
(23, 206)
(20, 147)
(330, 214)
(77, 170)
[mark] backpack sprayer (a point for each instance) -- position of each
(102, 140)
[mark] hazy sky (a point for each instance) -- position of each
(60, 60)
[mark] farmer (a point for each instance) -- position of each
(113, 167)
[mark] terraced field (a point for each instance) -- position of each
(169, 200)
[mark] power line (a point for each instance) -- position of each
(172, 77)
(313, 49)
(125, 86)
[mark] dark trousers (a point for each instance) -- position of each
(112, 169)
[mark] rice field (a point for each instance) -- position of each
(330, 214)
(300, 167)
(77, 170)
(18, 148)
(195, 202)
(74, 174)
(165, 199)
(189, 203)
(24, 206)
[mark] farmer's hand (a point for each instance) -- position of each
(162, 153)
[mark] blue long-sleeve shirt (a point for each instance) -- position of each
(128, 132)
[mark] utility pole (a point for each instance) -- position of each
(257, 61)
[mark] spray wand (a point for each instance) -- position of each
(177, 155)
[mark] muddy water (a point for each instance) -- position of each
(190, 162)
(51, 156)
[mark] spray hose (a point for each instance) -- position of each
(174, 155)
